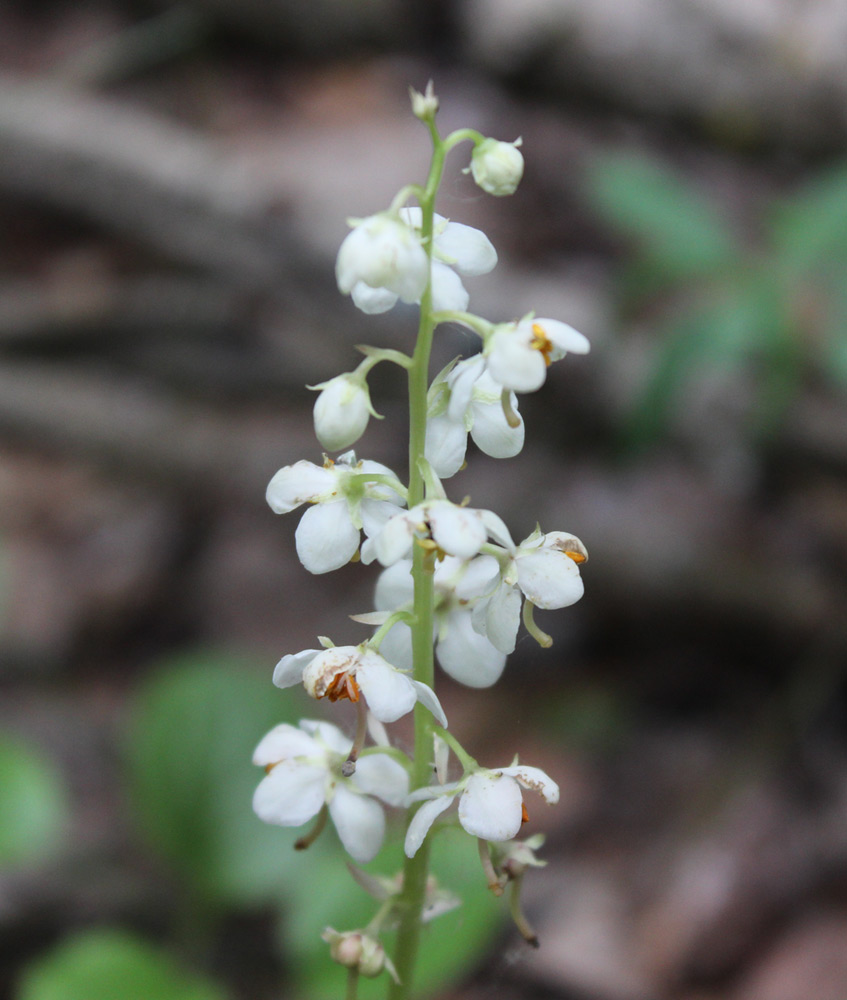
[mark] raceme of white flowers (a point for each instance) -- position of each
(453, 584)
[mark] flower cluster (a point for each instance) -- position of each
(454, 586)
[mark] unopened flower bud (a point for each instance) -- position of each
(356, 950)
(342, 411)
(424, 105)
(497, 167)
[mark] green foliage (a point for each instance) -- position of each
(33, 808)
(107, 965)
(776, 308)
(195, 724)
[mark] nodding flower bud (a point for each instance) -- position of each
(424, 105)
(357, 950)
(342, 411)
(497, 167)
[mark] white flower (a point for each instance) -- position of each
(304, 773)
(497, 167)
(437, 524)
(519, 353)
(467, 399)
(342, 411)
(382, 252)
(344, 671)
(455, 247)
(490, 803)
(461, 651)
(344, 502)
(545, 568)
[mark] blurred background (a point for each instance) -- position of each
(174, 184)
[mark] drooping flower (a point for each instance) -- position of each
(490, 803)
(342, 411)
(468, 400)
(518, 354)
(461, 651)
(545, 569)
(455, 248)
(303, 768)
(344, 502)
(383, 252)
(346, 671)
(497, 167)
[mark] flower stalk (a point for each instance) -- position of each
(453, 580)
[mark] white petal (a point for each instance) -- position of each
(327, 735)
(341, 412)
(513, 362)
(289, 670)
(298, 483)
(395, 539)
(549, 578)
(493, 434)
(535, 779)
(422, 821)
(461, 381)
(326, 538)
(396, 646)
(394, 587)
(496, 528)
(490, 807)
(469, 250)
(384, 253)
(564, 338)
(448, 292)
(479, 577)
(290, 795)
(389, 693)
(360, 823)
(428, 698)
(380, 775)
(467, 656)
(457, 530)
(446, 444)
(281, 743)
(503, 617)
(376, 514)
(372, 300)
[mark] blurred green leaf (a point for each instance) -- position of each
(745, 318)
(451, 945)
(681, 234)
(33, 808)
(810, 229)
(194, 726)
(111, 965)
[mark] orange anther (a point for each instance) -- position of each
(524, 814)
(541, 342)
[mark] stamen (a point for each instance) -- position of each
(524, 813)
(578, 557)
(541, 342)
(343, 685)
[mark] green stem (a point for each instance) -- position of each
(352, 984)
(416, 869)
